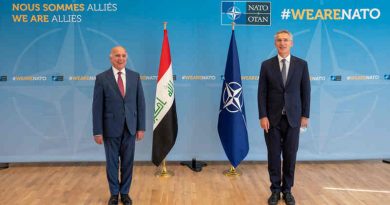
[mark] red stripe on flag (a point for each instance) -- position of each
(165, 59)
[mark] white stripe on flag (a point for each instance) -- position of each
(164, 96)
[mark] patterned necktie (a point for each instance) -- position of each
(284, 71)
(120, 84)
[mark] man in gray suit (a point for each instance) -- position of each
(284, 107)
(118, 111)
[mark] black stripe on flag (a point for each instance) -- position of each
(164, 135)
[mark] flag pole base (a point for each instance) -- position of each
(4, 166)
(386, 161)
(232, 172)
(164, 173)
(194, 165)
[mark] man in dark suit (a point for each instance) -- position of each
(284, 107)
(118, 111)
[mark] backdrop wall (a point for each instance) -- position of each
(51, 51)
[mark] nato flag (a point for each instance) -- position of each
(232, 121)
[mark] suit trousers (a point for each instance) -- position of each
(119, 152)
(282, 140)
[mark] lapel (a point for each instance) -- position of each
(291, 69)
(112, 82)
(276, 71)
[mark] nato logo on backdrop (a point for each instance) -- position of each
(246, 13)
(335, 77)
(3, 78)
(57, 78)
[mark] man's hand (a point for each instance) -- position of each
(304, 122)
(139, 135)
(98, 139)
(264, 123)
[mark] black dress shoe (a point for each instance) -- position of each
(274, 198)
(113, 200)
(126, 199)
(288, 198)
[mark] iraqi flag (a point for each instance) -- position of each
(232, 121)
(165, 119)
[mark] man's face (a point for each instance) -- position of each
(118, 58)
(283, 43)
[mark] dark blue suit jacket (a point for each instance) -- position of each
(295, 96)
(111, 111)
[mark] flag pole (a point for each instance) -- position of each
(232, 172)
(165, 25)
(164, 173)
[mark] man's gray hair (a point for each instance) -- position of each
(284, 31)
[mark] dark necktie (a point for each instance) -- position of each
(284, 71)
(120, 84)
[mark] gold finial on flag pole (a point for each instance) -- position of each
(232, 172)
(165, 25)
(164, 172)
(233, 25)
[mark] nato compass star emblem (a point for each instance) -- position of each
(232, 97)
(233, 13)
